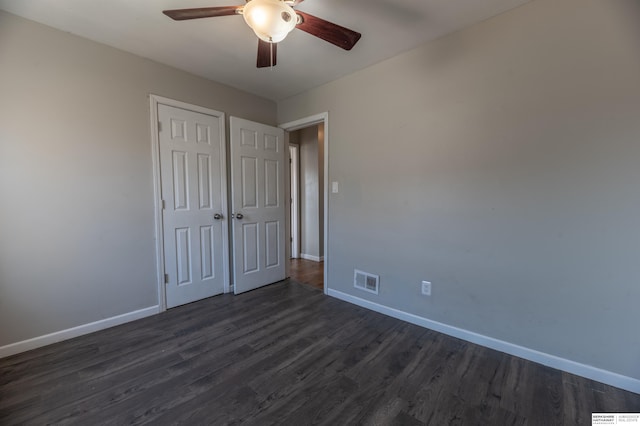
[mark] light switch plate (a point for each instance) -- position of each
(334, 187)
(426, 288)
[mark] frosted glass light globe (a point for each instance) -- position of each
(271, 20)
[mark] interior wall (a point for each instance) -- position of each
(77, 212)
(501, 164)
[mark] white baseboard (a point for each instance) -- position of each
(312, 257)
(58, 336)
(593, 373)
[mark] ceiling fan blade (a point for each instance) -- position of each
(328, 31)
(266, 54)
(202, 12)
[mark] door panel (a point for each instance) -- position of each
(250, 250)
(204, 181)
(207, 252)
(257, 182)
(272, 243)
(183, 251)
(249, 183)
(193, 188)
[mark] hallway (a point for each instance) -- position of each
(308, 272)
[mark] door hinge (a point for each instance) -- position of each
(159, 126)
(163, 204)
(166, 278)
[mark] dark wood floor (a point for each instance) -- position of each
(287, 354)
(308, 272)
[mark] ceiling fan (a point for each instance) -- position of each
(272, 20)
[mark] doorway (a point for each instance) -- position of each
(309, 194)
(294, 185)
(302, 270)
(308, 222)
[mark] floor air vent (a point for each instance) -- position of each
(366, 281)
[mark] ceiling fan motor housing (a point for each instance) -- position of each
(271, 20)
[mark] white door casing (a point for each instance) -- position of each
(258, 166)
(300, 124)
(193, 191)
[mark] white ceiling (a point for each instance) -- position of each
(223, 49)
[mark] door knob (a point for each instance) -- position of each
(217, 216)
(238, 215)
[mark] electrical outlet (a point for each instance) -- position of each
(426, 288)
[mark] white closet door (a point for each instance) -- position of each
(192, 174)
(258, 204)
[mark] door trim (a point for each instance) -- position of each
(154, 101)
(291, 126)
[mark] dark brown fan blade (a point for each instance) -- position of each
(202, 12)
(266, 54)
(328, 31)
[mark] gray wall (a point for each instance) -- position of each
(76, 210)
(311, 191)
(503, 164)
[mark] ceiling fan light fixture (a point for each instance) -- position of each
(271, 20)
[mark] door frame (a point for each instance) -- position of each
(154, 101)
(301, 123)
(294, 167)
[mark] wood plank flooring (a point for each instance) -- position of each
(286, 354)
(308, 272)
